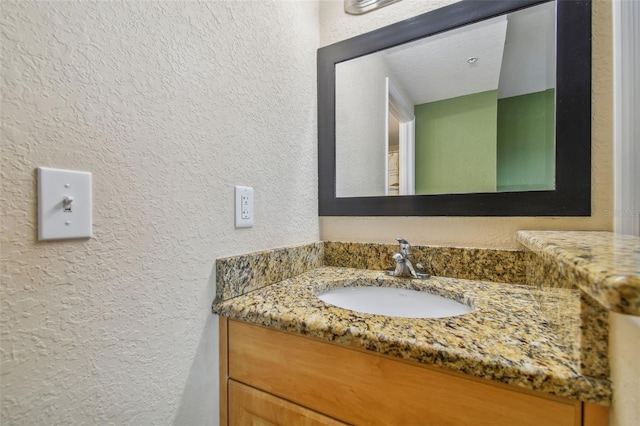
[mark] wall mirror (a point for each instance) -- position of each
(480, 108)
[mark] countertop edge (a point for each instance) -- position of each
(501, 374)
(616, 292)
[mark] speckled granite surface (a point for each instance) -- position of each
(604, 265)
(593, 319)
(505, 338)
(594, 337)
(507, 266)
(237, 275)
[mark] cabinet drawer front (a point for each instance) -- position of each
(368, 389)
(249, 406)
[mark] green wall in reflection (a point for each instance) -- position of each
(478, 143)
(456, 144)
(526, 142)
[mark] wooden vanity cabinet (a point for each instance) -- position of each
(273, 377)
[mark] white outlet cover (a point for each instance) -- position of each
(243, 207)
(54, 221)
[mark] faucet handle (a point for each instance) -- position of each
(404, 246)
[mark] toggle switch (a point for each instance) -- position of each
(64, 204)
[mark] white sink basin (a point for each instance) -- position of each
(393, 302)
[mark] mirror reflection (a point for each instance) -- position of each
(466, 111)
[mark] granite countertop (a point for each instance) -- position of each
(604, 265)
(506, 338)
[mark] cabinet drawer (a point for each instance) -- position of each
(367, 389)
(249, 406)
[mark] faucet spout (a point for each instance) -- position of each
(404, 246)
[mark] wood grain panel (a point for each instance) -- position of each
(367, 389)
(249, 406)
(223, 369)
(595, 415)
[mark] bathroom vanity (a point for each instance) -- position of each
(532, 350)
(286, 379)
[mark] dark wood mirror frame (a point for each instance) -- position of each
(572, 194)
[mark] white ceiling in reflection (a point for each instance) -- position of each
(436, 68)
(516, 55)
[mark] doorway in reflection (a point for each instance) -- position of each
(393, 167)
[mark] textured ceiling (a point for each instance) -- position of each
(436, 68)
(515, 53)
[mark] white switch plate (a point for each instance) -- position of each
(244, 206)
(55, 220)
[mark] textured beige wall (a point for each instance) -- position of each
(482, 231)
(169, 105)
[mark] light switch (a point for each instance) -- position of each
(64, 204)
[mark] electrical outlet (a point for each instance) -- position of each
(244, 206)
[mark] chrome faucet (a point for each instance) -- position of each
(405, 264)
